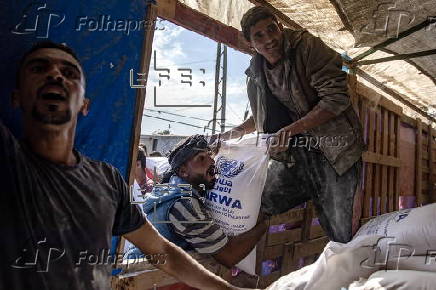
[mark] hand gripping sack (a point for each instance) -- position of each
(234, 203)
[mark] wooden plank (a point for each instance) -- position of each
(316, 232)
(391, 170)
(290, 216)
(376, 158)
(425, 154)
(311, 247)
(166, 8)
(284, 237)
(425, 188)
(260, 249)
(307, 221)
(431, 165)
(378, 99)
(377, 172)
(369, 166)
(408, 120)
(150, 17)
(273, 252)
(418, 169)
(289, 264)
(362, 111)
(200, 23)
(371, 130)
(397, 154)
(384, 168)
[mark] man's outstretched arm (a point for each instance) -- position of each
(238, 247)
(246, 127)
(178, 263)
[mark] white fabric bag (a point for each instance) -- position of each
(408, 232)
(160, 164)
(337, 266)
(234, 203)
(399, 280)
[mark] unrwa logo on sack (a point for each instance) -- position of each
(402, 215)
(229, 167)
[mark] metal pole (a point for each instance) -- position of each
(217, 78)
(223, 91)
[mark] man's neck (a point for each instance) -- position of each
(273, 63)
(53, 145)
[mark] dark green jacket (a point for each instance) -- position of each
(315, 78)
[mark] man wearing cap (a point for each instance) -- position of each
(177, 211)
(298, 91)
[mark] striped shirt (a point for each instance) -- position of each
(203, 234)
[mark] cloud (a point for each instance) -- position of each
(177, 48)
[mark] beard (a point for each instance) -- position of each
(52, 117)
(198, 179)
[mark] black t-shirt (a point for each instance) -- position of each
(56, 221)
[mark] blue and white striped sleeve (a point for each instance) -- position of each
(190, 220)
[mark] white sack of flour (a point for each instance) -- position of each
(234, 203)
(408, 232)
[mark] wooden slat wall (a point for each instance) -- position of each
(380, 119)
(426, 158)
(425, 170)
(298, 247)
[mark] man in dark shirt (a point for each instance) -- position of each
(58, 207)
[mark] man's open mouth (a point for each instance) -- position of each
(53, 97)
(53, 92)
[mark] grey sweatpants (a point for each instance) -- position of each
(312, 177)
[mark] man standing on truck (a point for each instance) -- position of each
(298, 91)
(58, 207)
(178, 212)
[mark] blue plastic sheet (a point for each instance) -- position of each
(107, 51)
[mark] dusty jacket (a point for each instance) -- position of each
(315, 79)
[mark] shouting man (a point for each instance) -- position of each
(58, 207)
(178, 212)
(297, 90)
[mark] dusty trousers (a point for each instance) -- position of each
(310, 176)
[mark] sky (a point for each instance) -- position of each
(178, 48)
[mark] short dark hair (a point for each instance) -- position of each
(252, 16)
(41, 45)
(142, 157)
